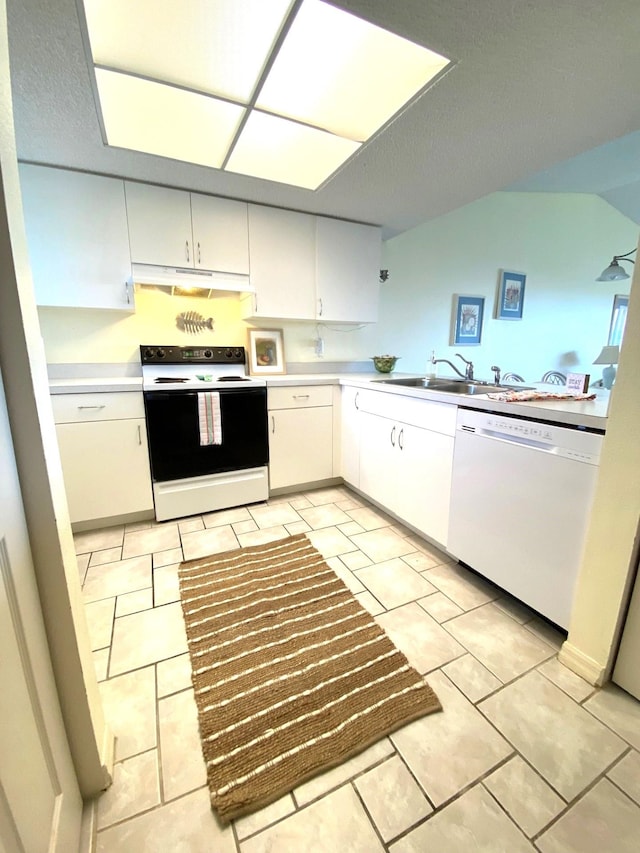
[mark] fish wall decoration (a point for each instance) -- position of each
(193, 323)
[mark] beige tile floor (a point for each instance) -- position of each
(525, 757)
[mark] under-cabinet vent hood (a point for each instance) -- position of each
(180, 281)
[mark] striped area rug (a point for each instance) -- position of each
(291, 674)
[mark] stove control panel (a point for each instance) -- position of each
(155, 354)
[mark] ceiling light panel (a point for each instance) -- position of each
(216, 46)
(280, 150)
(344, 74)
(166, 121)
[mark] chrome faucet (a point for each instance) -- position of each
(468, 371)
(496, 373)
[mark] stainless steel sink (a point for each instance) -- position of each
(453, 386)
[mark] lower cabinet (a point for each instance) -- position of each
(103, 448)
(405, 466)
(350, 436)
(300, 435)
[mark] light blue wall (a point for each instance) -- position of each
(561, 241)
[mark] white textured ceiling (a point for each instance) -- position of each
(536, 82)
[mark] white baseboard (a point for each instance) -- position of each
(588, 668)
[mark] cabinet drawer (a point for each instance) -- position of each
(299, 396)
(109, 406)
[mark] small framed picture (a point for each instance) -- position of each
(467, 320)
(266, 352)
(510, 295)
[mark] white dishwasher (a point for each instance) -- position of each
(520, 502)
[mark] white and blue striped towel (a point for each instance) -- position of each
(209, 417)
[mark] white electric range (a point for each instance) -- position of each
(191, 477)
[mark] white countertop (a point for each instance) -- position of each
(88, 385)
(588, 413)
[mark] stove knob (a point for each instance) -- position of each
(160, 353)
(238, 353)
(208, 353)
(228, 354)
(149, 353)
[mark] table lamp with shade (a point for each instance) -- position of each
(609, 356)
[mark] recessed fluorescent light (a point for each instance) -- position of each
(281, 150)
(163, 120)
(218, 47)
(344, 74)
(176, 79)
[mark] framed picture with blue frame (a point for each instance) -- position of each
(510, 295)
(468, 312)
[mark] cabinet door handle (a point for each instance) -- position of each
(355, 402)
(198, 251)
(400, 437)
(139, 435)
(393, 436)
(320, 308)
(126, 290)
(186, 248)
(273, 424)
(92, 407)
(300, 396)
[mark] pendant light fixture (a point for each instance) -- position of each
(614, 272)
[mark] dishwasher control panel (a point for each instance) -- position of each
(575, 444)
(525, 428)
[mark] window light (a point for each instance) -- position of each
(176, 80)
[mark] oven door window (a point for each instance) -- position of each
(174, 438)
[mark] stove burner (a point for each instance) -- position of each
(171, 379)
(233, 379)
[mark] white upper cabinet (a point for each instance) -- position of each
(282, 249)
(76, 228)
(174, 228)
(159, 225)
(312, 268)
(220, 234)
(347, 271)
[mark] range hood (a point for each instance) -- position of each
(182, 281)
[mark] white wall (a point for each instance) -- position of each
(81, 335)
(561, 241)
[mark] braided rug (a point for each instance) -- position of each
(291, 674)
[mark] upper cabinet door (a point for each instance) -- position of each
(159, 225)
(282, 261)
(348, 271)
(76, 228)
(220, 234)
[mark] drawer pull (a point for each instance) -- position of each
(300, 396)
(92, 407)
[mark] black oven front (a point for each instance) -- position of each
(174, 439)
